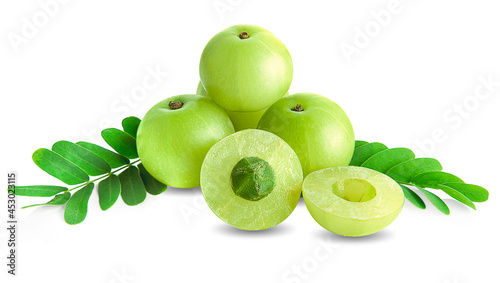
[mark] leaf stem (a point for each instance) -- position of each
(105, 175)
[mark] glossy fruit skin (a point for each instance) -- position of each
(245, 74)
(200, 90)
(353, 219)
(245, 120)
(241, 120)
(321, 134)
(173, 143)
(216, 183)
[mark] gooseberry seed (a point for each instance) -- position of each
(252, 178)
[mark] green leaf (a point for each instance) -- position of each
(473, 192)
(109, 190)
(133, 190)
(120, 141)
(456, 195)
(406, 171)
(401, 165)
(362, 153)
(415, 199)
(153, 186)
(433, 178)
(115, 160)
(59, 167)
(130, 125)
(39, 190)
(436, 201)
(82, 157)
(359, 143)
(76, 209)
(386, 159)
(57, 200)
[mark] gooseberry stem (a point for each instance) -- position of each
(244, 35)
(174, 105)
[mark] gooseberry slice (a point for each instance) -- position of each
(251, 179)
(352, 201)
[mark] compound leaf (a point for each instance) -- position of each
(436, 201)
(365, 151)
(386, 159)
(121, 141)
(415, 199)
(77, 206)
(406, 171)
(433, 178)
(91, 163)
(359, 143)
(57, 200)
(130, 125)
(114, 159)
(456, 195)
(473, 192)
(59, 167)
(153, 186)
(109, 190)
(39, 190)
(133, 191)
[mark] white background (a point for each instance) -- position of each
(81, 69)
